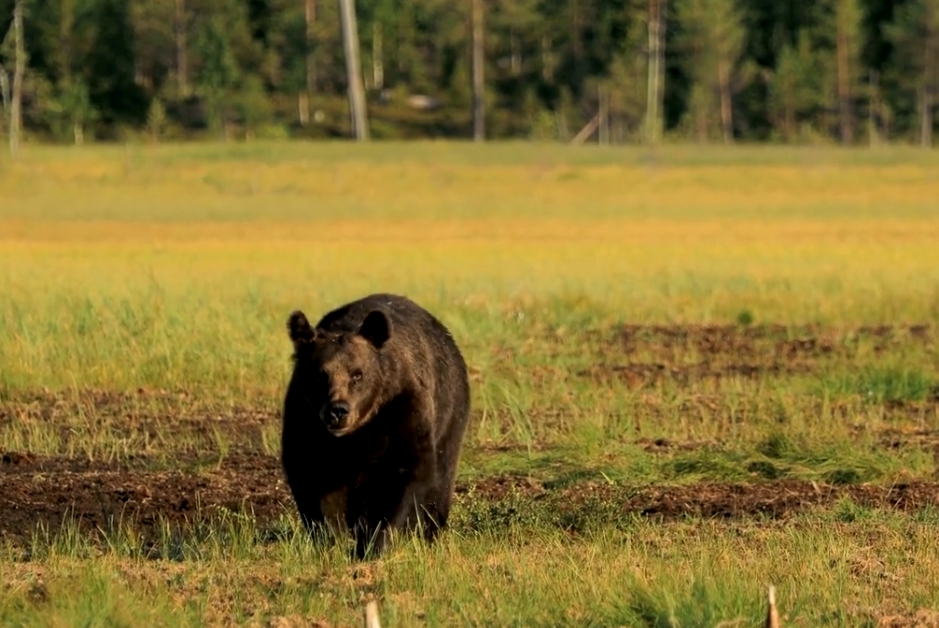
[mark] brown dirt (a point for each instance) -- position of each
(691, 353)
(646, 373)
(36, 490)
(41, 489)
(925, 618)
(152, 421)
(779, 340)
(777, 499)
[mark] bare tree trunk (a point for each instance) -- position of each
(873, 109)
(479, 86)
(603, 133)
(350, 40)
(845, 114)
(182, 52)
(727, 111)
(378, 62)
(654, 88)
(66, 27)
(547, 60)
(575, 29)
(19, 67)
(701, 124)
(925, 113)
(789, 122)
(303, 108)
(5, 90)
(926, 96)
(309, 11)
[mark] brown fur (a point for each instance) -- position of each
(375, 412)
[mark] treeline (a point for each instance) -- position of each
(850, 71)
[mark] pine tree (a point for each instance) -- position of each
(110, 66)
(838, 41)
(218, 74)
(915, 34)
(792, 89)
(848, 17)
(711, 39)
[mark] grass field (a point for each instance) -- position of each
(695, 372)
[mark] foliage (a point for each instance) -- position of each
(776, 68)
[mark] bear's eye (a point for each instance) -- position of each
(356, 376)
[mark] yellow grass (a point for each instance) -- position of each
(176, 267)
(213, 249)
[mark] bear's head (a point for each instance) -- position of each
(340, 372)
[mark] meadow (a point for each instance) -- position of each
(696, 371)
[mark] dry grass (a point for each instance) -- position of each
(174, 268)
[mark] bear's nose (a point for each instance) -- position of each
(336, 413)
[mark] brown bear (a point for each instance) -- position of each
(373, 419)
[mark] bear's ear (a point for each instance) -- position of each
(299, 328)
(376, 328)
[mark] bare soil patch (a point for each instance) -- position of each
(36, 490)
(691, 353)
(924, 618)
(782, 341)
(777, 499)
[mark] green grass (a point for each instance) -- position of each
(146, 291)
(880, 384)
(846, 566)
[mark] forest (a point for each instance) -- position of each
(854, 72)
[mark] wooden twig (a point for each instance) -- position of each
(772, 615)
(587, 131)
(371, 615)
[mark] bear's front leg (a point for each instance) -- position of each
(308, 507)
(409, 495)
(415, 503)
(322, 514)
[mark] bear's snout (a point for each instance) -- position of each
(334, 414)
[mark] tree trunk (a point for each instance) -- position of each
(303, 108)
(845, 115)
(654, 88)
(310, 16)
(5, 90)
(479, 105)
(727, 111)
(873, 109)
(547, 60)
(789, 121)
(19, 67)
(575, 29)
(64, 45)
(925, 112)
(378, 64)
(926, 95)
(182, 53)
(701, 117)
(350, 40)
